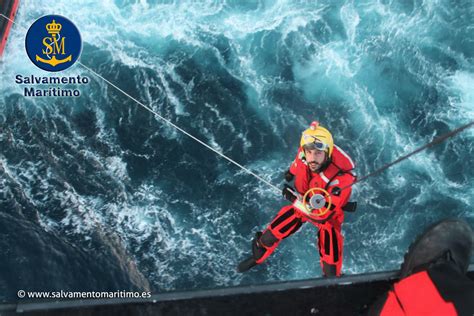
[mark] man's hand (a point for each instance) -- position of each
(289, 176)
(288, 193)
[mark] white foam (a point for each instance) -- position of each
(351, 19)
(461, 84)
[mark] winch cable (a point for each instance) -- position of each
(434, 142)
(148, 108)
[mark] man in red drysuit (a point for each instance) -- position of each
(318, 164)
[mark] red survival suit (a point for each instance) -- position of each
(330, 240)
(439, 290)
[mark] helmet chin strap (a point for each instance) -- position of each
(326, 163)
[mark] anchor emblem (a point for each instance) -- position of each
(55, 45)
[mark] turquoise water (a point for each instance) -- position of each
(99, 194)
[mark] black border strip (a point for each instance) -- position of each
(219, 292)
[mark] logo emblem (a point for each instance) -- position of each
(53, 43)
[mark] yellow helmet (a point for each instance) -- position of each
(317, 137)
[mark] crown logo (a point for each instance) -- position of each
(53, 28)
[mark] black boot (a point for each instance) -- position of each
(257, 252)
(450, 240)
(246, 265)
(329, 270)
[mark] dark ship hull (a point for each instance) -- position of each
(8, 9)
(348, 295)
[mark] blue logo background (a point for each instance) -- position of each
(37, 32)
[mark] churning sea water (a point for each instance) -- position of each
(98, 194)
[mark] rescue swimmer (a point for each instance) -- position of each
(319, 170)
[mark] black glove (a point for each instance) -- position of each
(288, 193)
(350, 207)
(289, 176)
(336, 191)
